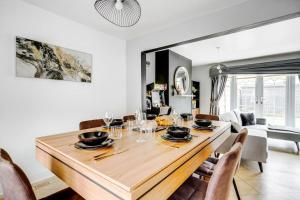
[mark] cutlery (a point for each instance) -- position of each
(101, 154)
(110, 154)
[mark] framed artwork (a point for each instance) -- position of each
(41, 60)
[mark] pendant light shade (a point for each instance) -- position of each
(122, 13)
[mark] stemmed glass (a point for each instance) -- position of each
(108, 118)
(175, 117)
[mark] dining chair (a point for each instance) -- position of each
(207, 117)
(91, 124)
(207, 168)
(128, 117)
(218, 187)
(16, 186)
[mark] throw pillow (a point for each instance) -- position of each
(235, 127)
(248, 119)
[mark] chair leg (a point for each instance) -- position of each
(260, 167)
(236, 189)
(298, 148)
(217, 155)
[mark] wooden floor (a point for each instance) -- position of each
(281, 177)
(280, 180)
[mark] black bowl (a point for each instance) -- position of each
(116, 122)
(93, 138)
(186, 116)
(203, 122)
(178, 131)
(151, 116)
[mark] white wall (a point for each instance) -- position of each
(244, 14)
(35, 107)
(201, 74)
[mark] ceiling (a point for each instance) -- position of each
(277, 38)
(156, 14)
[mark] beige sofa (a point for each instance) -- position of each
(256, 148)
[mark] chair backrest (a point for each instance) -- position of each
(14, 182)
(91, 124)
(207, 117)
(220, 183)
(128, 118)
(242, 136)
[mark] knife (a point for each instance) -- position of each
(110, 154)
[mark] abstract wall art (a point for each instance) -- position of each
(41, 60)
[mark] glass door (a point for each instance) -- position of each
(246, 93)
(274, 99)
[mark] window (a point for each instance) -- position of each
(297, 97)
(246, 93)
(274, 99)
(225, 99)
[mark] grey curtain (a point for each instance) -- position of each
(218, 84)
(291, 66)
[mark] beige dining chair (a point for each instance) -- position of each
(207, 168)
(218, 187)
(16, 186)
(128, 117)
(91, 124)
(207, 117)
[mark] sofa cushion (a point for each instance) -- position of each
(257, 127)
(238, 116)
(231, 117)
(248, 119)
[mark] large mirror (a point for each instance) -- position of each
(181, 80)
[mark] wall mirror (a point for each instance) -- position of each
(181, 80)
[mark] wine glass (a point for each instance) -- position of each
(175, 117)
(108, 118)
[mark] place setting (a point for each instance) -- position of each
(202, 124)
(177, 134)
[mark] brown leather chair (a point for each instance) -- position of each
(218, 187)
(207, 168)
(16, 186)
(207, 117)
(128, 117)
(91, 124)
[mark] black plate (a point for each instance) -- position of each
(106, 143)
(178, 131)
(211, 127)
(174, 139)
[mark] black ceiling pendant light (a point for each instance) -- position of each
(124, 13)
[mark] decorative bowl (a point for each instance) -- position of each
(178, 131)
(93, 138)
(203, 122)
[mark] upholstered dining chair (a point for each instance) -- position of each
(91, 124)
(207, 117)
(207, 168)
(16, 186)
(218, 187)
(128, 118)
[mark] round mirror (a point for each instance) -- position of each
(181, 80)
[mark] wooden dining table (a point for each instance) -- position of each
(151, 170)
